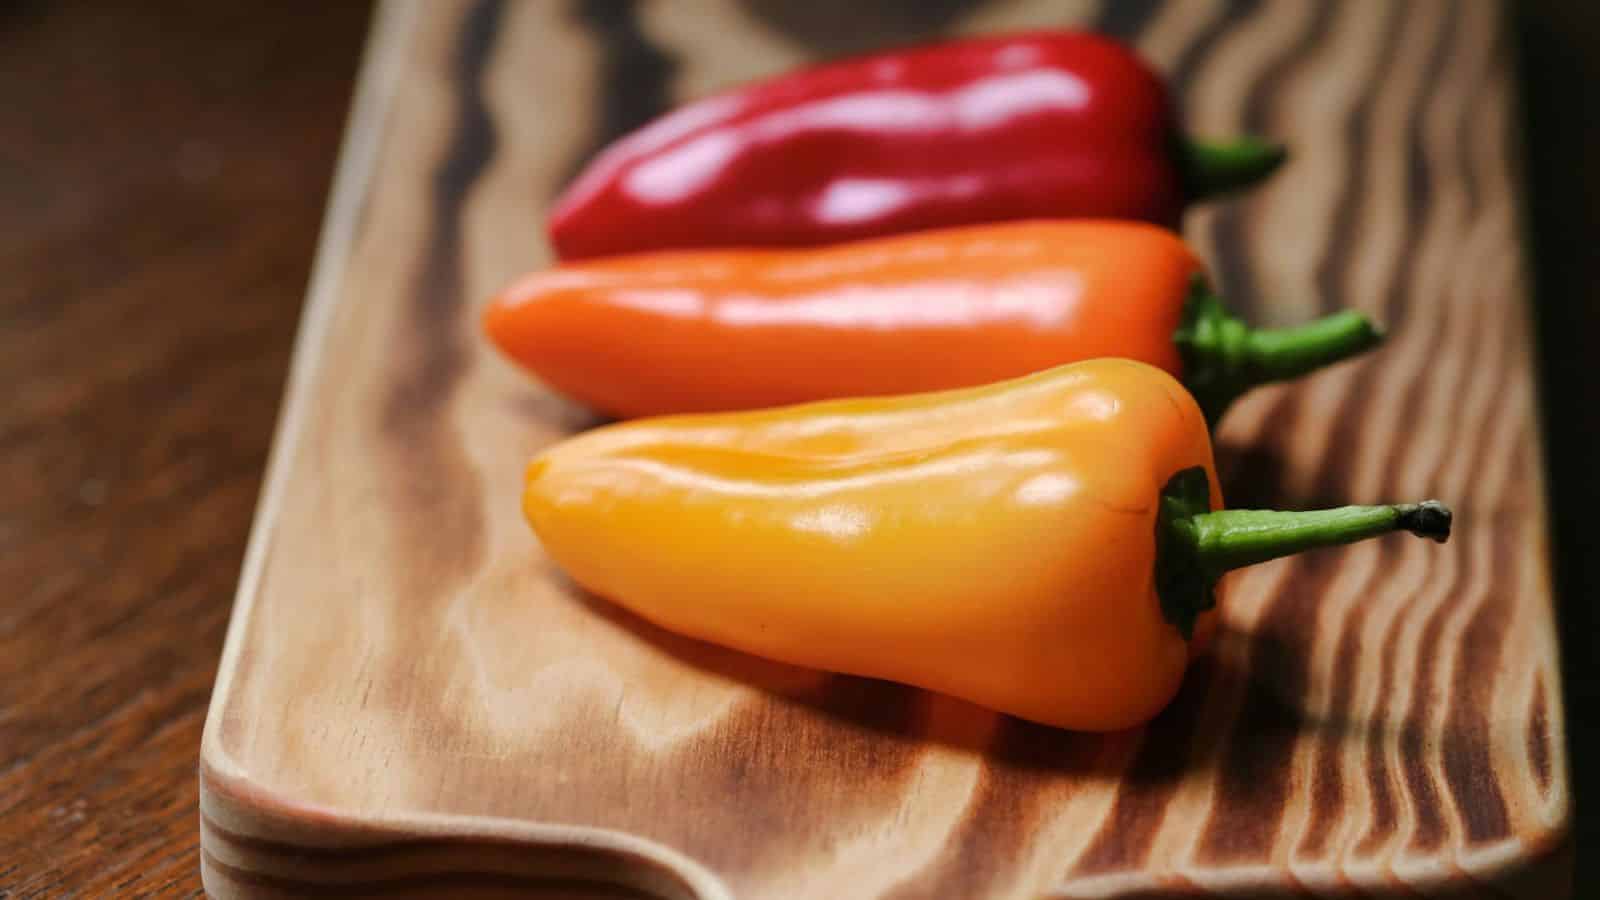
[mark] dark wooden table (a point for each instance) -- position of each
(162, 180)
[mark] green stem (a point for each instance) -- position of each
(1223, 357)
(1213, 168)
(1228, 539)
(1196, 545)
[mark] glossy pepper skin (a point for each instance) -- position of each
(1043, 124)
(708, 330)
(1029, 546)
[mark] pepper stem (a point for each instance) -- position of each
(1223, 357)
(1196, 545)
(1213, 168)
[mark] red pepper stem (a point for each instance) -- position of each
(1223, 357)
(1197, 545)
(1213, 168)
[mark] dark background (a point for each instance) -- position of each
(162, 182)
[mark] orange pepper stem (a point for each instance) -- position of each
(1213, 168)
(1196, 545)
(1223, 357)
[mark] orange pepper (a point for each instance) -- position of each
(699, 331)
(1043, 546)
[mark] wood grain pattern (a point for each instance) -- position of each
(411, 699)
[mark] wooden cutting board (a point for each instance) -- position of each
(413, 701)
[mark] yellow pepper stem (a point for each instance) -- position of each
(1197, 545)
(1223, 356)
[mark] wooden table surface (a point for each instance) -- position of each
(162, 182)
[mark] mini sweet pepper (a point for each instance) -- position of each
(1042, 546)
(1057, 124)
(712, 330)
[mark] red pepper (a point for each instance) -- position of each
(1052, 124)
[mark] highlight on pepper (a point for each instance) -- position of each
(1042, 124)
(727, 329)
(1043, 546)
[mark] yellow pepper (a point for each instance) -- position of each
(1041, 546)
